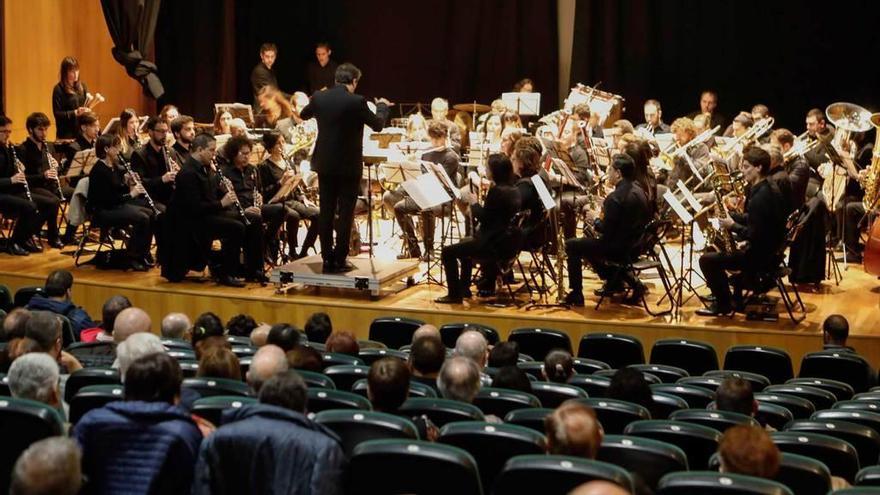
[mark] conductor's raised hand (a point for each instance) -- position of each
(385, 101)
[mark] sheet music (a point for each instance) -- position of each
(427, 191)
(677, 207)
(82, 163)
(441, 174)
(543, 193)
(689, 196)
(522, 103)
(399, 172)
(699, 237)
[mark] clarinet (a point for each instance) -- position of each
(258, 198)
(20, 167)
(228, 185)
(53, 164)
(137, 182)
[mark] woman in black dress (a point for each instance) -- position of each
(68, 99)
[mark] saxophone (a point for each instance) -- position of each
(719, 237)
(871, 184)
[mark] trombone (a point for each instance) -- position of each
(753, 133)
(801, 146)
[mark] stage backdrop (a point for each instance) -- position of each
(788, 54)
(408, 51)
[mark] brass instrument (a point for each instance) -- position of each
(847, 118)
(301, 138)
(872, 180)
(138, 183)
(719, 237)
(802, 145)
(753, 133)
(227, 184)
(20, 167)
(675, 150)
(53, 164)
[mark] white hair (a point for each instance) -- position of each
(472, 345)
(459, 379)
(238, 123)
(135, 347)
(34, 376)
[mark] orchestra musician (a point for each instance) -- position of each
(321, 71)
(168, 113)
(153, 164)
(440, 113)
(184, 130)
(653, 123)
(221, 123)
(576, 159)
(762, 226)
(491, 129)
(817, 128)
(853, 210)
(526, 159)
(684, 132)
(416, 128)
(625, 213)
(709, 105)
(581, 113)
(262, 75)
(14, 200)
(88, 127)
(110, 204)
(197, 214)
(274, 172)
(403, 206)
(338, 159)
(33, 153)
(68, 99)
(127, 130)
(492, 239)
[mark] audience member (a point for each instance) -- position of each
(44, 329)
(426, 357)
(104, 332)
(504, 354)
(35, 376)
(388, 384)
(306, 358)
(207, 331)
(284, 336)
(735, 395)
(318, 327)
(50, 466)
(749, 450)
(176, 326)
(343, 343)
(56, 299)
(835, 332)
(558, 366)
(14, 325)
(135, 347)
(129, 322)
(599, 488)
(241, 325)
(573, 429)
(472, 345)
(219, 362)
(260, 335)
(629, 384)
(243, 455)
(459, 379)
(513, 378)
(145, 443)
(269, 361)
(426, 330)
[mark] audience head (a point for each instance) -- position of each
(176, 326)
(269, 361)
(130, 321)
(343, 343)
(285, 389)
(135, 347)
(111, 309)
(748, 450)
(219, 362)
(735, 394)
(49, 466)
(260, 335)
(44, 328)
(573, 429)
(558, 366)
(58, 284)
(15, 324)
(305, 358)
(504, 354)
(241, 325)
(472, 345)
(284, 336)
(459, 379)
(388, 384)
(153, 378)
(835, 330)
(426, 357)
(318, 327)
(207, 325)
(512, 378)
(426, 330)
(35, 376)
(599, 488)
(629, 384)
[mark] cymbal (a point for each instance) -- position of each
(472, 107)
(849, 117)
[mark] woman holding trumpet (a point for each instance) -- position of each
(68, 99)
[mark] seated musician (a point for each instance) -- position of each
(127, 130)
(440, 113)
(581, 113)
(155, 165)
(41, 178)
(184, 130)
(109, 201)
(490, 239)
(510, 120)
(854, 210)
(491, 130)
(762, 226)
(684, 132)
(416, 128)
(404, 206)
(799, 172)
(276, 171)
(221, 123)
(88, 128)
(526, 159)
(817, 128)
(653, 123)
(244, 179)
(14, 200)
(576, 159)
(625, 213)
(197, 215)
(640, 151)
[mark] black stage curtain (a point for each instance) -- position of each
(788, 54)
(132, 24)
(408, 51)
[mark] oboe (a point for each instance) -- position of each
(53, 164)
(228, 185)
(137, 183)
(20, 167)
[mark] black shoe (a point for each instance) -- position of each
(714, 310)
(230, 281)
(638, 292)
(608, 291)
(16, 250)
(32, 246)
(449, 299)
(425, 258)
(345, 266)
(574, 299)
(486, 293)
(137, 266)
(467, 294)
(55, 243)
(328, 267)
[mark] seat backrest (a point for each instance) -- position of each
(821, 399)
(532, 417)
(720, 420)
(441, 411)
(615, 415)
(774, 415)
(533, 368)
(5, 298)
(773, 363)
(593, 385)
(865, 418)
(556, 474)
(370, 356)
(209, 387)
(698, 442)
(666, 404)
(89, 376)
(325, 399)
(696, 397)
(344, 375)
(355, 427)
(538, 342)
(394, 331)
(839, 456)
(554, 394)
(651, 379)
(842, 391)
(329, 359)
(709, 383)
(645, 458)
(758, 382)
(665, 372)
(846, 367)
(869, 476)
(239, 340)
(864, 439)
(23, 422)
(170, 344)
(803, 475)
(212, 408)
(92, 397)
(799, 407)
(411, 466)
(450, 332)
(858, 405)
(316, 380)
(500, 401)
(718, 483)
(691, 355)
(4, 386)
(616, 349)
(24, 294)
(588, 366)
(416, 389)
(492, 444)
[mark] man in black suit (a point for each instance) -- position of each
(338, 158)
(626, 213)
(263, 75)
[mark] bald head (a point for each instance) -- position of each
(129, 322)
(426, 330)
(572, 429)
(599, 488)
(266, 363)
(472, 345)
(175, 325)
(459, 379)
(260, 335)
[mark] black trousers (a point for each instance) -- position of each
(129, 215)
(715, 266)
(297, 211)
(48, 203)
(231, 233)
(597, 253)
(18, 206)
(458, 262)
(252, 244)
(570, 205)
(338, 196)
(404, 207)
(852, 214)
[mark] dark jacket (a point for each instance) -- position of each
(79, 319)
(626, 213)
(64, 107)
(495, 214)
(341, 119)
(106, 188)
(763, 224)
(150, 165)
(7, 170)
(270, 450)
(799, 179)
(261, 77)
(138, 447)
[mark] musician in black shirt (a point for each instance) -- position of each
(68, 99)
(493, 239)
(33, 153)
(263, 75)
(708, 105)
(322, 70)
(184, 130)
(156, 167)
(762, 226)
(653, 123)
(109, 200)
(14, 201)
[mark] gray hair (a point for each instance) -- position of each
(175, 325)
(270, 360)
(45, 328)
(459, 379)
(135, 347)
(51, 465)
(34, 376)
(472, 345)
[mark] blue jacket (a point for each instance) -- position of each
(270, 450)
(79, 319)
(138, 447)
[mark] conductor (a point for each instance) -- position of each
(338, 159)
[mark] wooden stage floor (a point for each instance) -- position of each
(857, 297)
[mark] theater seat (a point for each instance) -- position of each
(697, 441)
(532, 418)
(846, 367)
(691, 355)
(92, 397)
(555, 474)
(618, 350)
(355, 427)
(329, 359)
(666, 404)
(209, 387)
(554, 394)
(864, 439)
(839, 456)
(799, 407)
(394, 331)
(665, 372)
(758, 382)
(594, 385)
(344, 375)
(89, 376)
(821, 399)
(416, 389)
(802, 475)
(587, 366)
(708, 482)
(774, 415)
(212, 408)
(869, 476)
(370, 356)
(720, 420)
(841, 391)
(696, 397)
(441, 411)
(450, 332)
(615, 415)
(500, 401)
(316, 380)
(23, 422)
(325, 399)
(644, 458)
(538, 342)
(773, 363)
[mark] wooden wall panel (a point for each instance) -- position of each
(37, 35)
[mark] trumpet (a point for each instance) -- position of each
(802, 145)
(227, 184)
(20, 167)
(138, 183)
